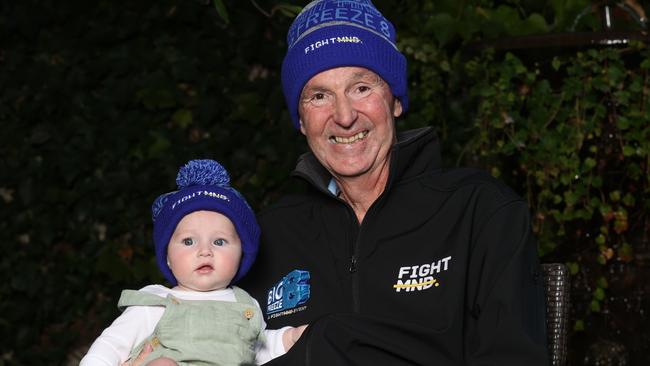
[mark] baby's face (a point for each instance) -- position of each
(204, 251)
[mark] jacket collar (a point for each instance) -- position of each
(416, 152)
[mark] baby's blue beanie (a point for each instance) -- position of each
(204, 185)
(335, 33)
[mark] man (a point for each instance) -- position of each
(390, 259)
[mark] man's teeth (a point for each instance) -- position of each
(349, 140)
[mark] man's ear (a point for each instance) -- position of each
(397, 108)
(302, 127)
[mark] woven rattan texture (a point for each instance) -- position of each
(557, 285)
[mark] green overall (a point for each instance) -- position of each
(195, 332)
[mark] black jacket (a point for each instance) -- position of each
(442, 271)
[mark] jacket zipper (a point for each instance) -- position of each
(353, 265)
(355, 283)
(352, 269)
(354, 257)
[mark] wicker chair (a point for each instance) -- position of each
(557, 285)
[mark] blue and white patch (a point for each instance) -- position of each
(287, 296)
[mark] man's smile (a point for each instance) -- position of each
(348, 140)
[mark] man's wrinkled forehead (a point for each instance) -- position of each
(357, 74)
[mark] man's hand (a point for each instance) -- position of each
(291, 335)
(146, 350)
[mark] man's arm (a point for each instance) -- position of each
(506, 313)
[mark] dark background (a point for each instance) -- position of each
(102, 101)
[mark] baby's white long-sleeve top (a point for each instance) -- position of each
(136, 323)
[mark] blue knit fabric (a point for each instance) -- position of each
(202, 173)
(203, 185)
(335, 33)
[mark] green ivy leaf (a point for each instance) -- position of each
(645, 64)
(221, 10)
(628, 150)
(535, 24)
(556, 63)
(443, 27)
(579, 325)
(599, 294)
(182, 118)
(629, 200)
(625, 252)
(595, 306)
(287, 10)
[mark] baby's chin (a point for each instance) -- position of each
(199, 288)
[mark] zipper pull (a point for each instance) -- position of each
(353, 264)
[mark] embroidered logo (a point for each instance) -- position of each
(420, 277)
(287, 295)
(332, 41)
(199, 194)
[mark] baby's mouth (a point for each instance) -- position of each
(205, 268)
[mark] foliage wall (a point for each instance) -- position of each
(102, 101)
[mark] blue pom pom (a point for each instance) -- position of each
(202, 172)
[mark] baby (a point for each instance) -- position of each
(206, 238)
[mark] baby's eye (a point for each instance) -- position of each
(219, 242)
(188, 241)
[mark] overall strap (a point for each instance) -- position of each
(242, 296)
(133, 297)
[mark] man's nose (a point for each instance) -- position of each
(344, 112)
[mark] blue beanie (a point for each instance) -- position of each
(203, 185)
(335, 33)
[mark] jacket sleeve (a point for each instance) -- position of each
(505, 304)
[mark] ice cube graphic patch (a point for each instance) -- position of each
(293, 290)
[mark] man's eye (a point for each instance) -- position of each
(220, 242)
(316, 98)
(363, 89)
(188, 241)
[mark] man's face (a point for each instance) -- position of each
(347, 115)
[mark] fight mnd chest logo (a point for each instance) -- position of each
(421, 276)
(287, 295)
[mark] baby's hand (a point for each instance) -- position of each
(146, 350)
(291, 335)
